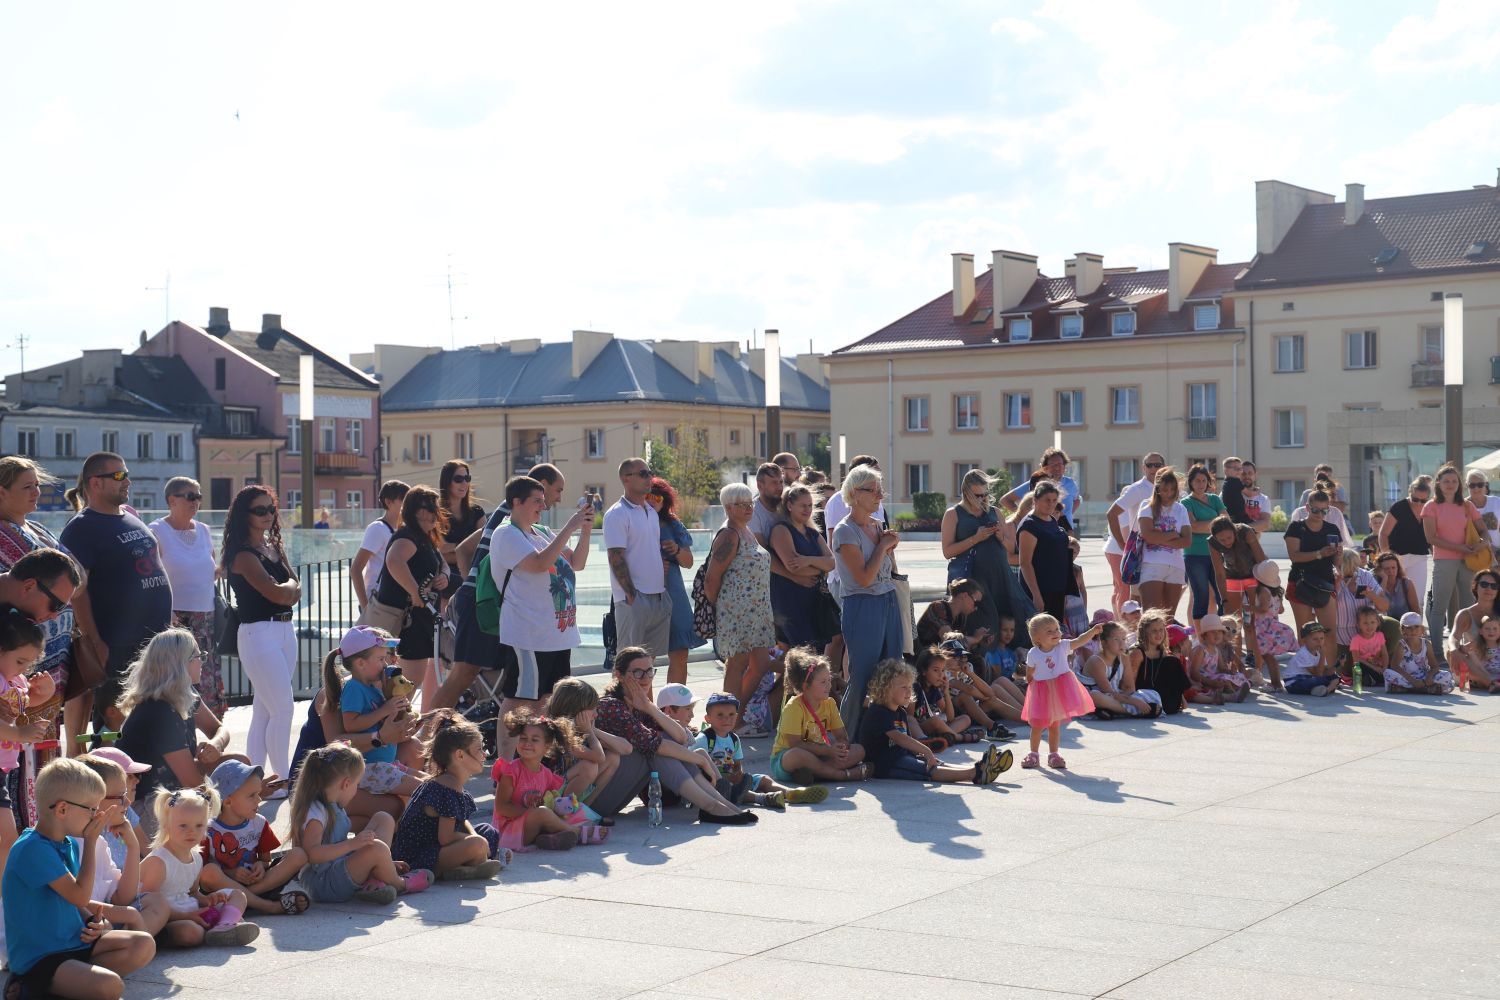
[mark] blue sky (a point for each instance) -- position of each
(676, 170)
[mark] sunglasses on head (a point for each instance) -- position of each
(119, 475)
(261, 510)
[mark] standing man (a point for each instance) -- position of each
(365, 569)
(129, 595)
(1257, 505)
(637, 576)
(769, 482)
(1122, 522)
(789, 466)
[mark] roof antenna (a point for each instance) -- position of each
(452, 342)
(166, 295)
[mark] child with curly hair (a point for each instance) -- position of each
(892, 739)
(521, 786)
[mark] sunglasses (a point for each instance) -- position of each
(119, 475)
(190, 497)
(463, 479)
(1488, 585)
(54, 603)
(644, 473)
(1155, 465)
(263, 510)
(1479, 486)
(1317, 510)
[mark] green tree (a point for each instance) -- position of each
(687, 465)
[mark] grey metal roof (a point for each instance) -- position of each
(625, 370)
(165, 381)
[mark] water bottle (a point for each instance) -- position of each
(653, 800)
(1358, 676)
(1463, 675)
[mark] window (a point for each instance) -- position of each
(220, 377)
(1209, 463)
(966, 412)
(1017, 410)
(1070, 408)
(1290, 429)
(961, 469)
(463, 445)
(293, 436)
(593, 442)
(1203, 411)
(110, 441)
(734, 436)
(423, 444)
(66, 442)
(1125, 404)
(174, 447)
(1020, 331)
(385, 448)
(760, 442)
(1019, 472)
(1431, 349)
(789, 441)
(917, 417)
(328, 498)
(1070, 327)
(1206, 317)
(293, 499)
(354, 436)
(1291, 353)
(26, 442)
(671, 437)
(143, 444)
(1122, 324)
(1289, 492)
(1359, 349)
(916, 478)
(327, 434)
(1123, 472)
(355, 499)
(812, 440)
(239, 422)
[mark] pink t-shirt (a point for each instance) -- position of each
(12, 704)
(1449, 518)
(525, 780)
(1364, 649)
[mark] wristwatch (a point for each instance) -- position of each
(376, 742)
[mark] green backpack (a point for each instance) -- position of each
(488, 598)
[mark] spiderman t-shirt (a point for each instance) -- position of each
(239, 845)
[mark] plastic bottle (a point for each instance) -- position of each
(1358, 676)
(653, 800)
(1463, 675)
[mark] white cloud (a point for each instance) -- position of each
(1018, 28)
(1456, 36)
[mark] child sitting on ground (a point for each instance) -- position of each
(341, 867)
(1305, 672)
(366, 653)
(1367, 649)
(933, 706)
(115, 835)
(1180, 643)
(117, 886)
(173, 869)
(1483, 654)
(1213, 667)
(721, 716)
(677, 702)
(1130, 617)
(892, 739)
(48, 885)
(1104, 673)
(592, 761)
(811, 741)
(1000, 660)
(435, 831)
(238, 851)
(1419, 671)
(21, 645)
(521, 786)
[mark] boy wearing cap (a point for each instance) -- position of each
(721, 714)
(238, 848)
(1305, 672)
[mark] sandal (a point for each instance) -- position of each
(592, 833)
(1104, 714)
(294, 898)
(1055, 761)
(1030, 761)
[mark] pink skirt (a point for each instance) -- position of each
(1056, 700)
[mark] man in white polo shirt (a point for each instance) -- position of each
(1122, 522)
(632, 535)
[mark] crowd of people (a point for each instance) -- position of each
(131, 822)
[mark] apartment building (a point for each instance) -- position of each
(584, 405)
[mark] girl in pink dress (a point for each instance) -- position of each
(521, 787)
(1053, 692)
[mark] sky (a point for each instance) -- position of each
(675, 171)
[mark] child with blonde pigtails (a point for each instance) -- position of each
(173, 869)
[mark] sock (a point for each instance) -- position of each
(229, 916)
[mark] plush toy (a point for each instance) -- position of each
(570, 808)
(398, 685)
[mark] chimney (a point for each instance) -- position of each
(270, 323)
(1011, 276)
(963, 283)
(587, 345)
(218, 320)
(814, 367)
(1277, 205)
(755, 360)
(1185, 265)
(681, 355)
(1354, 203)
(1088, 273)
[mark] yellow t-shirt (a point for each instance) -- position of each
(798, 723)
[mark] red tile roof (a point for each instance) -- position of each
(934, 327)
(1432, 232)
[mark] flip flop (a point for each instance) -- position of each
(294, 898)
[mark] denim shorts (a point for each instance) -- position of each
(908, 767)
(329, 882)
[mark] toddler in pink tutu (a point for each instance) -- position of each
(1053, 692)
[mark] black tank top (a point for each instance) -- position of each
(252, 604)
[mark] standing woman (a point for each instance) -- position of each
(676, 556)
(738, 583)
(1046, 551)
(412, 579)
(864, 554)
(463, 516)
(806, 560)
(1311, 546)
(265, 592)
(1445, 521)
(975, 542)
(1235, 552)
(1168, 531)
(1203, 507)
(187, 554)
(1401, 532)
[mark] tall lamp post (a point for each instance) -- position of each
(773, 392)
(305, 418)
(1453, 376)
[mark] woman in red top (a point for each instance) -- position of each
(1445, 521)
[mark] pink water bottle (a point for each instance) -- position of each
(1463, 676)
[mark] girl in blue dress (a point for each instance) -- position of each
(677, 555)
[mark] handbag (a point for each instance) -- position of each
(903, 609)
(226, 622)
(1484, 558)
(827, 620)
(384, 616)
(1130, 562)
(1313, 592)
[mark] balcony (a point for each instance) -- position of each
(1202, 428)
(1426, 374)
(335, 461)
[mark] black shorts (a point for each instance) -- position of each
(472, 645)
(531, 675)
(38, 978)
(415, 640)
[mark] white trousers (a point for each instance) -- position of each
(268, 653)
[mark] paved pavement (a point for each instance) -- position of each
(1286, 848)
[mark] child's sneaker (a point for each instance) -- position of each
(376, 891)
(811, 795)
(775, 801)
(464, 873)
(419, 879)
(232, 935)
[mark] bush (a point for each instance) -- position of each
(1278, 519)
(911, 522)
(926, 506)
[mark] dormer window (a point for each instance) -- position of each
(1206, 317)
(1122, 324)
(1020, 330)
(1070, 327)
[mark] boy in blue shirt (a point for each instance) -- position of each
(59, 942)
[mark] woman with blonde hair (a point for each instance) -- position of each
(975, 540)
(738, 582)
(864, 553)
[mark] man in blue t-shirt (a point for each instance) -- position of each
(129, 596)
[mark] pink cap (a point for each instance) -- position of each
(360, 638)
(1177, 634)
(122, 758)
